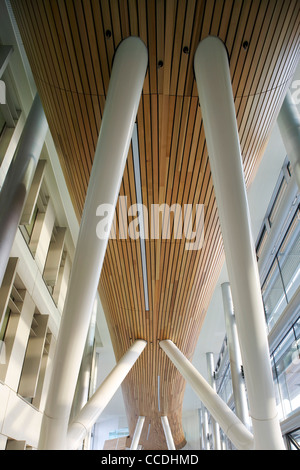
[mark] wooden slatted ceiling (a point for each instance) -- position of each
(70, 46)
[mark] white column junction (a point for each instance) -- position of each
(220, 126)
(220, 411)
(137, 433)
(91, 411)
(125, 88)
(168, 434)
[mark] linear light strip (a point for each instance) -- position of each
(138, 189)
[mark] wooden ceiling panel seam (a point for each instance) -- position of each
(116, 22)
(256, 110)
(265, 51)
(258, 36)
(186, 59)
(263, 99)
(238, 36)
(91, 48)
(251, 33)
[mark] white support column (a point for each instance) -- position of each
(137, 433)
(168, 434)
(125, 88)
(228, 421)
(211, 381)
(18, 179)
(289, 126)
(200, 428)
(33, 193)
(219, 119)
(82, 391)
(238, 385)
(92, 410)
(205, 429)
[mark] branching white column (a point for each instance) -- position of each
(168, 434)
(289, 126)
(220, 126)
(229, 422)
(238, 385)
(137, 433)
(125, 88)
(92, 410)
(19, 177)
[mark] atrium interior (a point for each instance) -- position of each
(131, 329)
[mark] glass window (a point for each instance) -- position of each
(289, 258)
(278, 199)
(261, 242)
(273, 294)
(286, 373)
(224, 385)
(294, 439)
(118, 433)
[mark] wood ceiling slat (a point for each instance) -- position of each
(143, 34)
(71, 54)
(177, 45)
(263, 100)
(68, 82)
(160, 43)
(186, 40)
(151, 44)
(51, 10)
(252, 55)
(90, 47)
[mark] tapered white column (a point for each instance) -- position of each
(137, 433)
(19, 177)
(238, 384)
(219, 119)
(92, 410)
(289, 126)
(211, 381)
(228, 421)
(125, 88)
(168, 434)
